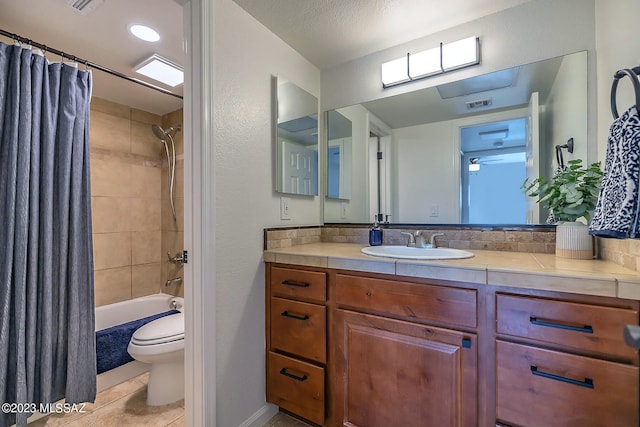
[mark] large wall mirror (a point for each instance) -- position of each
(296, 139)
(458, 153)
(339, 131)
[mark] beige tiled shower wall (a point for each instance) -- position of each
(126, 202)
(173, 230)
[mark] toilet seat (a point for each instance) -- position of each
(160, 331)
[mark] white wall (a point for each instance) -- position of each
(427, 171)
(531, 32)
(246, 55)
(617, 48)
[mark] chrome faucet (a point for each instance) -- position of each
(416, 239)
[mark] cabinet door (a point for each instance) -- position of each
(395, 373)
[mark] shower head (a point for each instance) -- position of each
(163, 133)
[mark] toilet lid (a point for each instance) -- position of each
(165, 329)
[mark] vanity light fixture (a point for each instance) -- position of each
(446, 57)
(162, 70)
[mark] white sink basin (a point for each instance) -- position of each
(406, 252)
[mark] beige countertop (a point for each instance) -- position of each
(516, 269)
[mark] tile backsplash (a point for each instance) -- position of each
(540, 240)
(537, 240)
(624, 252)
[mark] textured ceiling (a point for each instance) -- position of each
(330, 32)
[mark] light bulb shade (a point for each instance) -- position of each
(461, 53)
(425, 63)
(395, 72)
(474, 167)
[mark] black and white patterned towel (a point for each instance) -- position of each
(616, 213)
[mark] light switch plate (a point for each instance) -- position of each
(285, 212)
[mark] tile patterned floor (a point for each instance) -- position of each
(123, 405)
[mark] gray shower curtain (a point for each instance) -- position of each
(47, 334)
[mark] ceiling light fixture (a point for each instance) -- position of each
(474, 166)
(162, 70)
(494, 134)
(144, 33)
(444, 58)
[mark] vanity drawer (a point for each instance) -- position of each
(582, 326)
(296, 386)
(288, 282)
(408, 300)
(537, 387)
(299, 328)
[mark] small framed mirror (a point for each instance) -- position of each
(296, 139)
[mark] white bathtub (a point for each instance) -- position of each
(126, 311)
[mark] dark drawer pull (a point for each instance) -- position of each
(284, 372)
(588, 382)
(296, 284)
(586, 328)
(294, 316)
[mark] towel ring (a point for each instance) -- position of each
(636, 87)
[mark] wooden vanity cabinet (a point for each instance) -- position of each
(371, 350)
(394, 372)
(296, 330)
(564, 363)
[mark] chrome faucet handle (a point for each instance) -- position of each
(432, 240)
(178, 259)
(412, 238)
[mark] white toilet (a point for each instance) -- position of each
(161, 344)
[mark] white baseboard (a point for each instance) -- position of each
(261, 416)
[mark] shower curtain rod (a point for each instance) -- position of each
(87, 63)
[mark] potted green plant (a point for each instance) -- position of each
(570, 195)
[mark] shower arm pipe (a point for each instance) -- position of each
(87, 63)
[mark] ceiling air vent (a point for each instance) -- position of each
(85, 7)
(477, 104)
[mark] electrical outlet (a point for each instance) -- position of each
(285, 212)
(433, 210)
(343, 210)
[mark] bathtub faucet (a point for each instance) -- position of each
(176, 281)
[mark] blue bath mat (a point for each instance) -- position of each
(112, 343)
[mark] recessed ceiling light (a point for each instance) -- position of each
(162, 70)
(144, 33)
